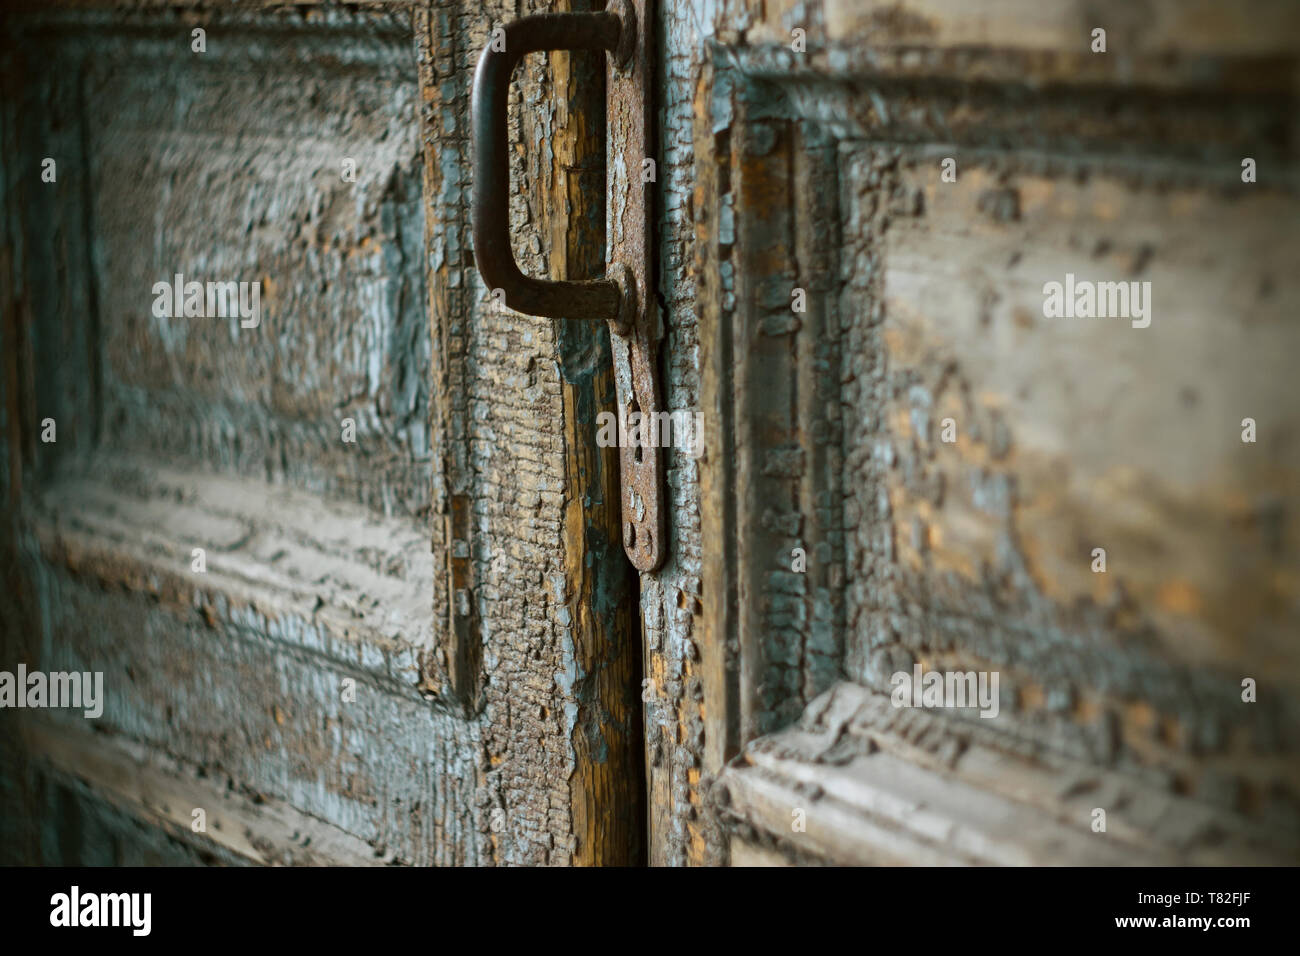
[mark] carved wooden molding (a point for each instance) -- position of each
(857, 782)
(799, 163)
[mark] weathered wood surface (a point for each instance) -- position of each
(157, 797)
(537, 582)
(858, 781)
(289, 668)
(496, 718)
(776, 170)
(821, 171)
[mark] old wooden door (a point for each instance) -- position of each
(415, 637)
(348, 561)
(917, 463)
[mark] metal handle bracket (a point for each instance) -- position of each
(625, 298)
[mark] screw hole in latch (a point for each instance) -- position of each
(636, 427)
(629, 537)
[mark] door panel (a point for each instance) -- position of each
(821, 171)
(415, 647)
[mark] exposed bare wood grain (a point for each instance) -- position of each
(607, 787)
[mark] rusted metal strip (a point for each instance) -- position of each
(635, 335)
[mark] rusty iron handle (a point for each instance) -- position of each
(606, 30)
(625, 298)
